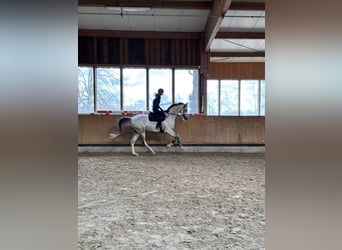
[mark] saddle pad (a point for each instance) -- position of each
(155, 117)
(152, 117)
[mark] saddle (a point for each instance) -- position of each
(153, 117)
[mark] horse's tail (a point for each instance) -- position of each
(124, 121)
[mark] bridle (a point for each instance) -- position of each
(183, 114)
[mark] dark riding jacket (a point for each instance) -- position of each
(158, 112)
(156, 104)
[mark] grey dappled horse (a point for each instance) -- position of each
(140, 124)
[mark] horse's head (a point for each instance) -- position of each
(180, 109)
(185, 114)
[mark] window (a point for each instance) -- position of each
(229, 101)
(186, 88)
(213, 97)
(249, 97)
(262, 97)
(108, 89)
(160, 78)
(134, 89)
(85, 90)
(236, 97)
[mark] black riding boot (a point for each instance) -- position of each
(159, 126)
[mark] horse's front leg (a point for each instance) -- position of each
(175, 140)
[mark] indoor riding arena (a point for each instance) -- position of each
(201, 197)
(207, 189)
(172, 201)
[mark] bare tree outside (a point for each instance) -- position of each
(108, 89)
(186, 88)
(85, 90)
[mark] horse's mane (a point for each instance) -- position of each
(172, 105)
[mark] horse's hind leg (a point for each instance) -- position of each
(143, 135)
(133, 140)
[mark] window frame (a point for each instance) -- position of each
(147, 70)
(259, 96)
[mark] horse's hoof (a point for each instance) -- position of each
(136, 154)
(169, 145)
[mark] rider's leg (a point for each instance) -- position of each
(159, 126)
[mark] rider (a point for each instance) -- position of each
(157, 110)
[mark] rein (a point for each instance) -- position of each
(178, 114)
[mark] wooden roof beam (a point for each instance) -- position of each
(237, 54)
(216, 15)
(147, 4)
(247, 6)
(240, 35)
(139, 34)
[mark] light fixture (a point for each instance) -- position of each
(128, 9)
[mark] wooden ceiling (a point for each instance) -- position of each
(217, 11)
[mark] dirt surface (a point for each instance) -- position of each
(171, 201)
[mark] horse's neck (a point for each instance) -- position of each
(170, 120)
(175, 110)
(171, 117)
